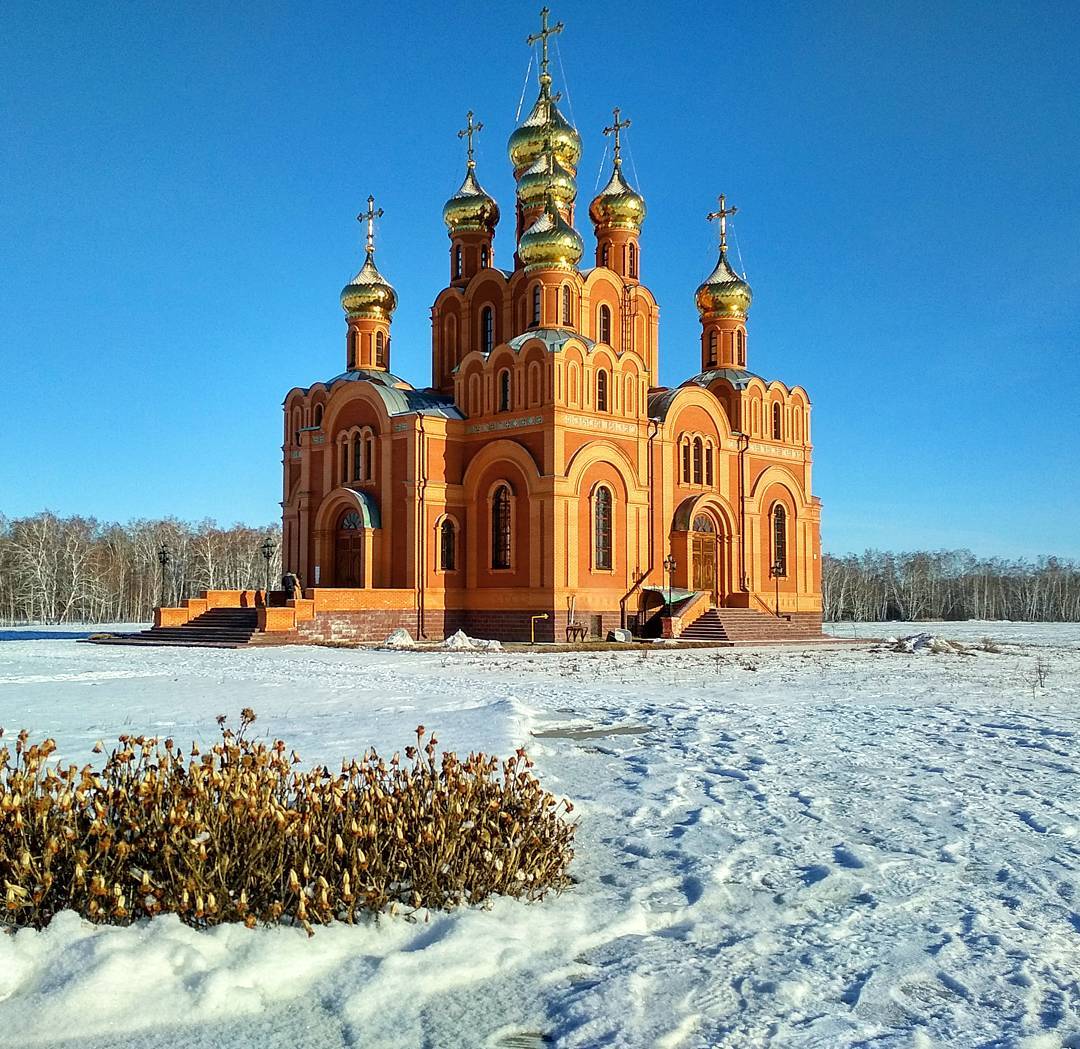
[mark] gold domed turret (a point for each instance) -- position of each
(369, 293)
(723, 293)
(618, 205)
(470, 208)
(550, 242)
(545, 121)
(546, 176)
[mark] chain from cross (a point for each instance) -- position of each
(369, 217)
(722, 215)
(614, 130)
(468, 131)
(545, 32)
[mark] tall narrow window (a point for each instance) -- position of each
(345, 461)
(633, 260)
(779, 550)
(686, 462)
(601, 391)
(712, 347)
(357, 459)
(536, 305)
(354, 348)
(605, 324)
(602, 513)
(487, 328)
(740, 342)
(605, 254)
(500, 528)
(457, 261)
(697, 460)
(380, 350)
(504, 390)
(566, 304)
(447, 545)
(485, 257)
(369, 458)
(708, 466)
(317, 420)
(776, 421)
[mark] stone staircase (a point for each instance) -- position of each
(217, 628)
(745, 626)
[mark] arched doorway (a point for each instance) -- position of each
(349, 550)
(703, 556)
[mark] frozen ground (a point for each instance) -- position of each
(813, 849)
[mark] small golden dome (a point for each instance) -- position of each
(470, 208)
(550, 242)
(618, 205)
(723, 293)
(529, 141)
(544, 176)
(369, 294)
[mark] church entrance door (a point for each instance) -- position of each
(349, 551)
(703, 552)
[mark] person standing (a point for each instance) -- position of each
(290, 583)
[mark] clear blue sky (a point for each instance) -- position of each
(178, 184)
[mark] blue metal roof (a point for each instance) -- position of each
(738, 377)
(398, 396)
(553, 338)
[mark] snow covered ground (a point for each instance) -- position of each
(806, 848)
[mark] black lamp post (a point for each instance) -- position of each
(670, 564)
(268, 549)
(776, 570)
(163, 560)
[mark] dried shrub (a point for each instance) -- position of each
(242, 834)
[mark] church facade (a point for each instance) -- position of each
(545, 477)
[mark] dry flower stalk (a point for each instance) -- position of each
(243, 834)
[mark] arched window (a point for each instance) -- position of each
(354, 348)
(779, 542)
(605, 324)
(369, 458)
(536, 305)
(447, 546)
(566, 312)
(708, 466)
(776, 431)
(504, 390)
(500, 528)
(601, 391)
(704, 523)
(344, 460)
(317, 419)
(740, 342)
(633, 260)
(697, 460)
(487, 328)
(686, 462)
(457, 261)
(350, 522)
(380, 350)
(485, 257)
(605, 254)
(712, 347)
(357, 459)
(602, 515)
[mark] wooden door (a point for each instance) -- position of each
(349, 552)
(703, 553)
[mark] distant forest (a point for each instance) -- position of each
(77, 569)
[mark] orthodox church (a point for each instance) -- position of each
(545, 479)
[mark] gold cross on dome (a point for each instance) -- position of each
(542, 36)
(468, 131)
(722, 215)
(369, 217)
(614, 130)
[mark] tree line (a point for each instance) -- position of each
(949, 585)
(77, 569)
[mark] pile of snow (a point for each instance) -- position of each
(923, 643)
(399, 638)
(461, 642)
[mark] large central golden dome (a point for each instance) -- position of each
(551, 242)
(545, 176)
(529, 141)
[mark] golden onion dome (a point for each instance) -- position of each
(369, 293)
(545, 176)
(551, 242)
(723, 293)
(529, 141)
(470, 208)
(618, 205)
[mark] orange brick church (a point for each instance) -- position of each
(545, 477)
